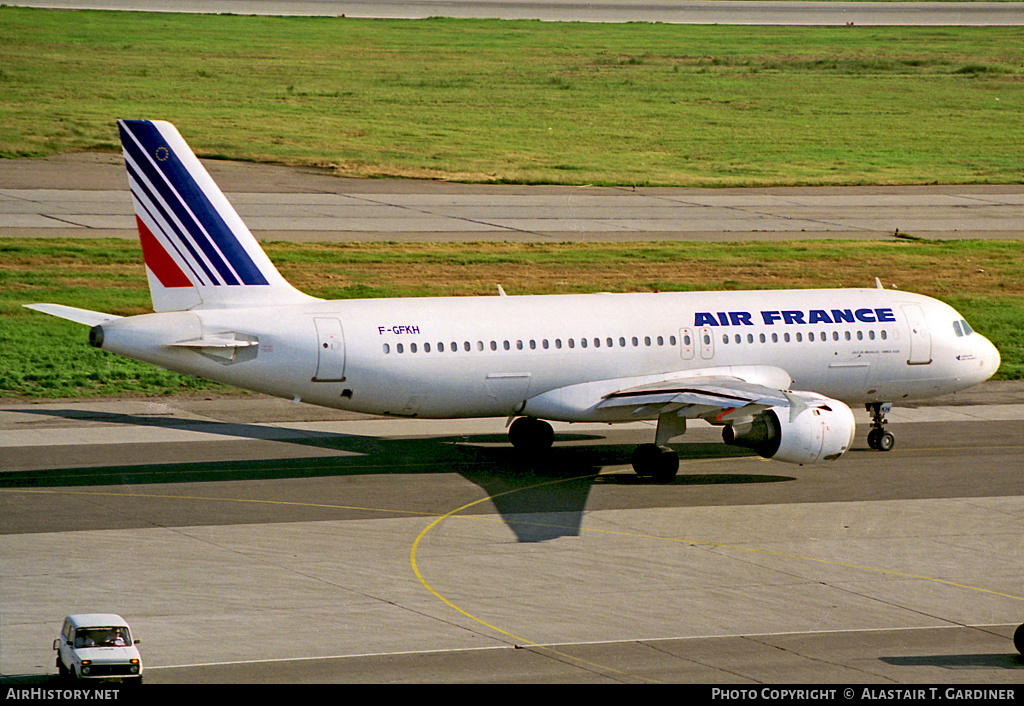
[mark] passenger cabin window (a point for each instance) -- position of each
(647, 341)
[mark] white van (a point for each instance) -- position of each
(97, 646)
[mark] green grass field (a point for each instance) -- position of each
(505, 101)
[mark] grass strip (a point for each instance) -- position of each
(527, 101)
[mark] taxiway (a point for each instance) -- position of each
(86, 196)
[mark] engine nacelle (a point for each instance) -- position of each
(822, 430)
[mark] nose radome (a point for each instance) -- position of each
(989, 358)
(992, 358)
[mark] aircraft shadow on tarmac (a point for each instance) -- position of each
(959, 661)
(527, 492)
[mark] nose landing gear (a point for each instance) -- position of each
(878, 438)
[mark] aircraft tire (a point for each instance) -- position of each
(668, 466)
(1018, 638)
(881, 440)
(531, 435)
(645, 459)
(659, 464)
(873, 438)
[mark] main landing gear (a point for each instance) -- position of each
(534, 436)
(531, 435)
(659, 463)
(878, 438)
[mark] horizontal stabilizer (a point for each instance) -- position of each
(216, 342)
(79, 316)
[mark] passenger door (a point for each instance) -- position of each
(920, 336)
(330, 363)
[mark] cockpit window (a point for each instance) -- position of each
(962, 328)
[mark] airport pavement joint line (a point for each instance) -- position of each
(752, 210)
(422, 211)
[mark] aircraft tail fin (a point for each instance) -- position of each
(198, 252)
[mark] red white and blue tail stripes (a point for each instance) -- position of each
(198, 252)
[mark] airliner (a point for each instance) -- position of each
(777, 370)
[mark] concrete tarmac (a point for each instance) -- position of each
(86, 196)
(252, 540)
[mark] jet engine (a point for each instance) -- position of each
(815, 429)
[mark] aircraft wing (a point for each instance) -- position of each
(718, 395)
(716, 398)
(79, 316)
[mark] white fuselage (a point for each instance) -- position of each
(490, 356)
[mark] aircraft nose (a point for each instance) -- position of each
(991, 358)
